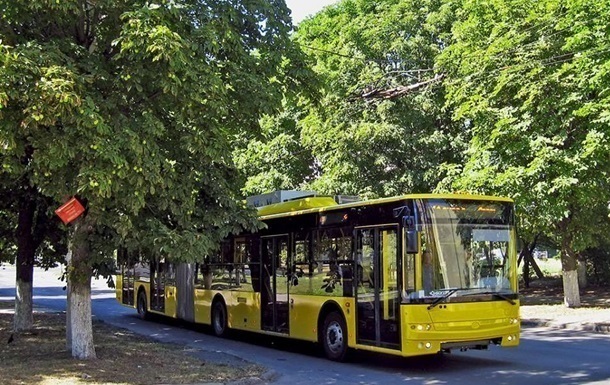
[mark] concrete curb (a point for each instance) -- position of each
(266, 378)
(602, 328)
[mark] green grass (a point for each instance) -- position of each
(550, 267)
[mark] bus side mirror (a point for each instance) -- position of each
(410, 222)
(412, 246)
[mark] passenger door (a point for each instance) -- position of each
(377, 297)
(157, 286)
(274, 287)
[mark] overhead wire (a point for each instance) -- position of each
(421, 70)
(546, 62)
(521, 52)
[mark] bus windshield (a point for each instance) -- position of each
(465, 248)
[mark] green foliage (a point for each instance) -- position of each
(531, 79)
(384, 147)
(344, 144)
(277, 160)
(598, 263)
(133, 106)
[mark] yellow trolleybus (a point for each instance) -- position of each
(408, 275)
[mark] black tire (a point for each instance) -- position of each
(142, 305)
(219, 319)
(334, 337)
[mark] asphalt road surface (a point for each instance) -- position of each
(545, 356)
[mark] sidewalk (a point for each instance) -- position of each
(558, 316)
(542, 305)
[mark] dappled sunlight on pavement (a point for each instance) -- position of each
(542, 305)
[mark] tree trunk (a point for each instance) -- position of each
(571, 291)
(79, 281)
(185, 278)
(528, 261)
(80, 320)
(26, 249)
(526, 270)
(24, 319)
(68, 302)
(582, 273)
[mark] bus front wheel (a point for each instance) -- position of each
(219, 319)
(334, 337)
(142, 306)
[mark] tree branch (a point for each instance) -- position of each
(396, 92)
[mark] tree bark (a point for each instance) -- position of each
(26, 249)
(68, 302)
(582, 273)
(79, 280)
(185, 278)
(24, 319)
(528, 261)
(80, 320)
(571, 291)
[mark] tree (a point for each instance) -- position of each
(132, 106)
(379, 128)
(28, 235)
(274, 158)
(530, 78)
(277, 160)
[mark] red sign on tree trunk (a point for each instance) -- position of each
(70, 210)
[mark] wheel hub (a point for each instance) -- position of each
(334, 337)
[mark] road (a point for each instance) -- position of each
(545, 356)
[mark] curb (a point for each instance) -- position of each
(602, 328)
(266, 378)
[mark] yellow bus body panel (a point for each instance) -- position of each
(118, 288)
(203, 305)
(244, 310)
(170, 301)
(424, 331)
(305, 312)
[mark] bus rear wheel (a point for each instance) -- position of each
(142, 306)
(334, 337)
(219, 319)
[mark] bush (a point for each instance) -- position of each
(598, 264)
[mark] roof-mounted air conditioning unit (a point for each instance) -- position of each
(341, 199)
(278, 197)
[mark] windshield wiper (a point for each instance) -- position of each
(445, 296)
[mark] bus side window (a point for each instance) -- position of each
(332, 251)
(243, 274)
(254, 262)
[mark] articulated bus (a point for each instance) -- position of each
(409, 275)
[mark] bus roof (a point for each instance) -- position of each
(321, 204)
